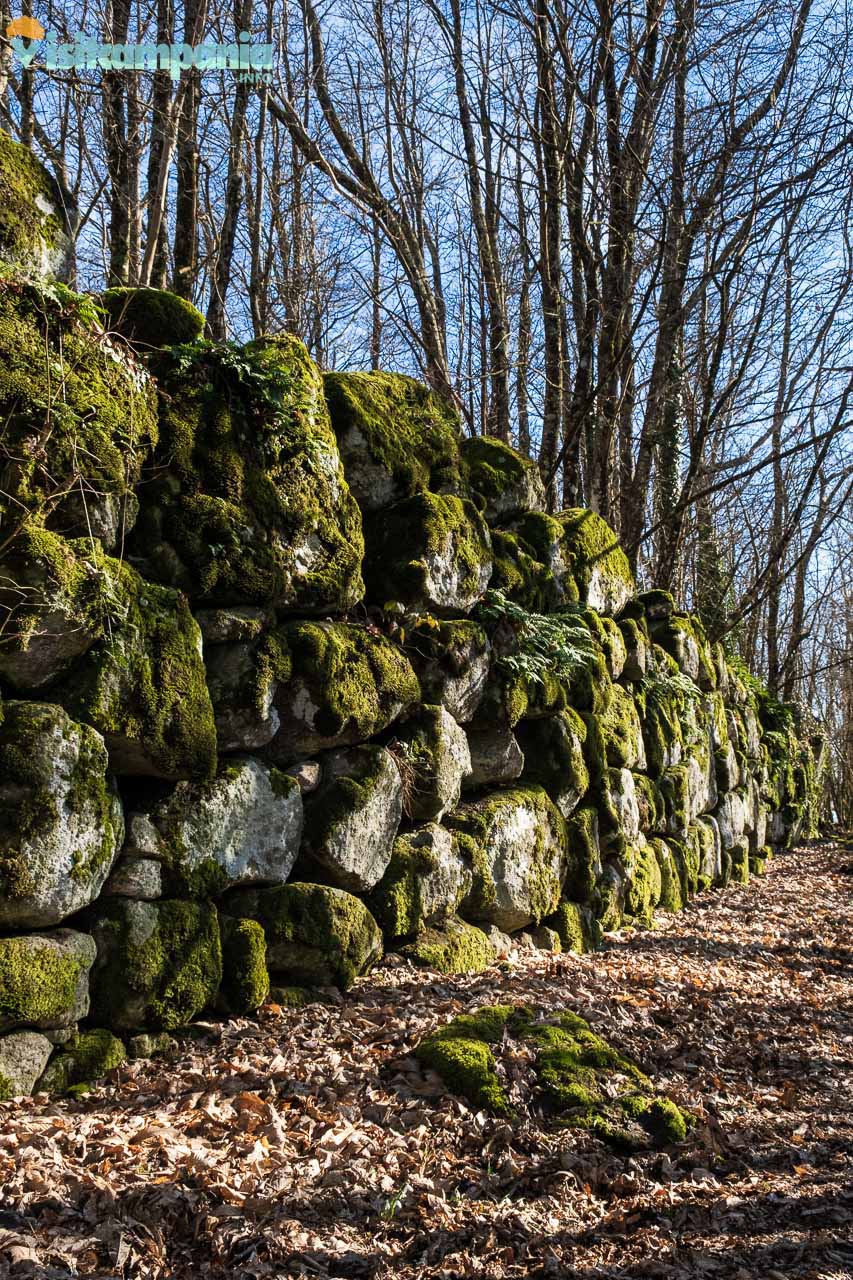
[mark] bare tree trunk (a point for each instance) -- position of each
(117, 20)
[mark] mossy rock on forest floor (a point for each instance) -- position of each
(576, 1077)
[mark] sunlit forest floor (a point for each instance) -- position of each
(310, 1143)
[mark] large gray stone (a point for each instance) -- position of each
(243, 827)
(434, 758)
(352, 819)
(23, 1057)
(140, 878)
(44, 979)
(452, 660)
(520, 856)
(554, 758)
(622, 796)
(243, 695)
(495, 756)
(731, 818)
(61, 822)
(424, 883)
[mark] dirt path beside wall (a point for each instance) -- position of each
(309, 1142)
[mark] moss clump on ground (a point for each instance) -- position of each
(454, 947)
(143, 686)
(396, 436)
(61, 381)
(245, 981)
(151, 318)
(87, 1057)
(315, 935)
(245, 500)
(31, 226)
(159, 963)
(431, 551)
(583, 1081)
(356, 683)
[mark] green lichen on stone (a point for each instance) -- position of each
(577, 928)
(61, 382)
(644, 883)
(428, 551)
(143, 686)
(672, 896)
(596, 556)
(29, 233)
(519, 576)
(315, 934)
(245, 499)
(151, 318)
(163, 959)
(85, 1059)
(461, 1054)
(245, 981)
(554, 758)
(453, 948)
(584, 854)
(358, 681)
(739, 853)
(403, 428)
(620, 728)
(502, 479)
(396, 902)
(38, 984)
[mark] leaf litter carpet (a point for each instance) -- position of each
(309, 1143)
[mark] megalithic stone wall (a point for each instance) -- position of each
(293, 674)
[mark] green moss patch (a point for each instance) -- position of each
(87, 1057)
(598, 563)
(579, 1079)
(576, 927)
(455, 947)
(151, 318)
(31, 227)
(245, 981)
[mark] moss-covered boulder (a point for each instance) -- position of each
(245, 980)
(243, 678)
(575, 926)
(316, 935)
(541, 538)
(55, 600)
(622, 731)
(143, 685)
(672, 897)
(346, 684)
(637, 643)
(352, 819)
(519, 576)
(506, 483)
(158, 965)
(453, 947)
(621, 804)
(244, 500)
(431, 552)
(580, 1079)
(584, 854)
(452, 659)
(516, 840)
(674, 788)
(61, 821)
(396, 437)
(34, 239)
(433, 755)
(731, 816)
(84, 1059)
(242, 827)
(554, 759)
(683, 638)
(643, 884)
(79, 416)
(425, 882)
(23, 1057)
(598, 563)
(44, 979)
(609, 901)
(151, 318)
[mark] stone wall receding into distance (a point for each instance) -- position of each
(293, 674)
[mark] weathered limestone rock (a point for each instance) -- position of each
(584, 846)
(710, 851)
(44, 979)
(517, 842)
(85, 1058)
(452, 661)
(352, 819)
(731, 818)
(242, 827)
(143, 685)
(158, 965)
(642, 880)
(429, 552)
(426, 881)
(316, 935)
(622, 799)
(34, 240)
(245, 979)
(505, 481)
(395, 436)
(23, 1057)
(434, 757)
(674, 785)
(494, 754)
(637, 648)
(519, 576)
(622, 731)
(61, 823)
(553, 758)
(244, 501)
(232, 624)
(672, 897)
(308, 774)
(610, 905)
(541, 536)
(345, 685)
(453, 947)
(599, 565)
(140, 878)
(575, 926)
(243, 679)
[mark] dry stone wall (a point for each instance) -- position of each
(293, 674)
